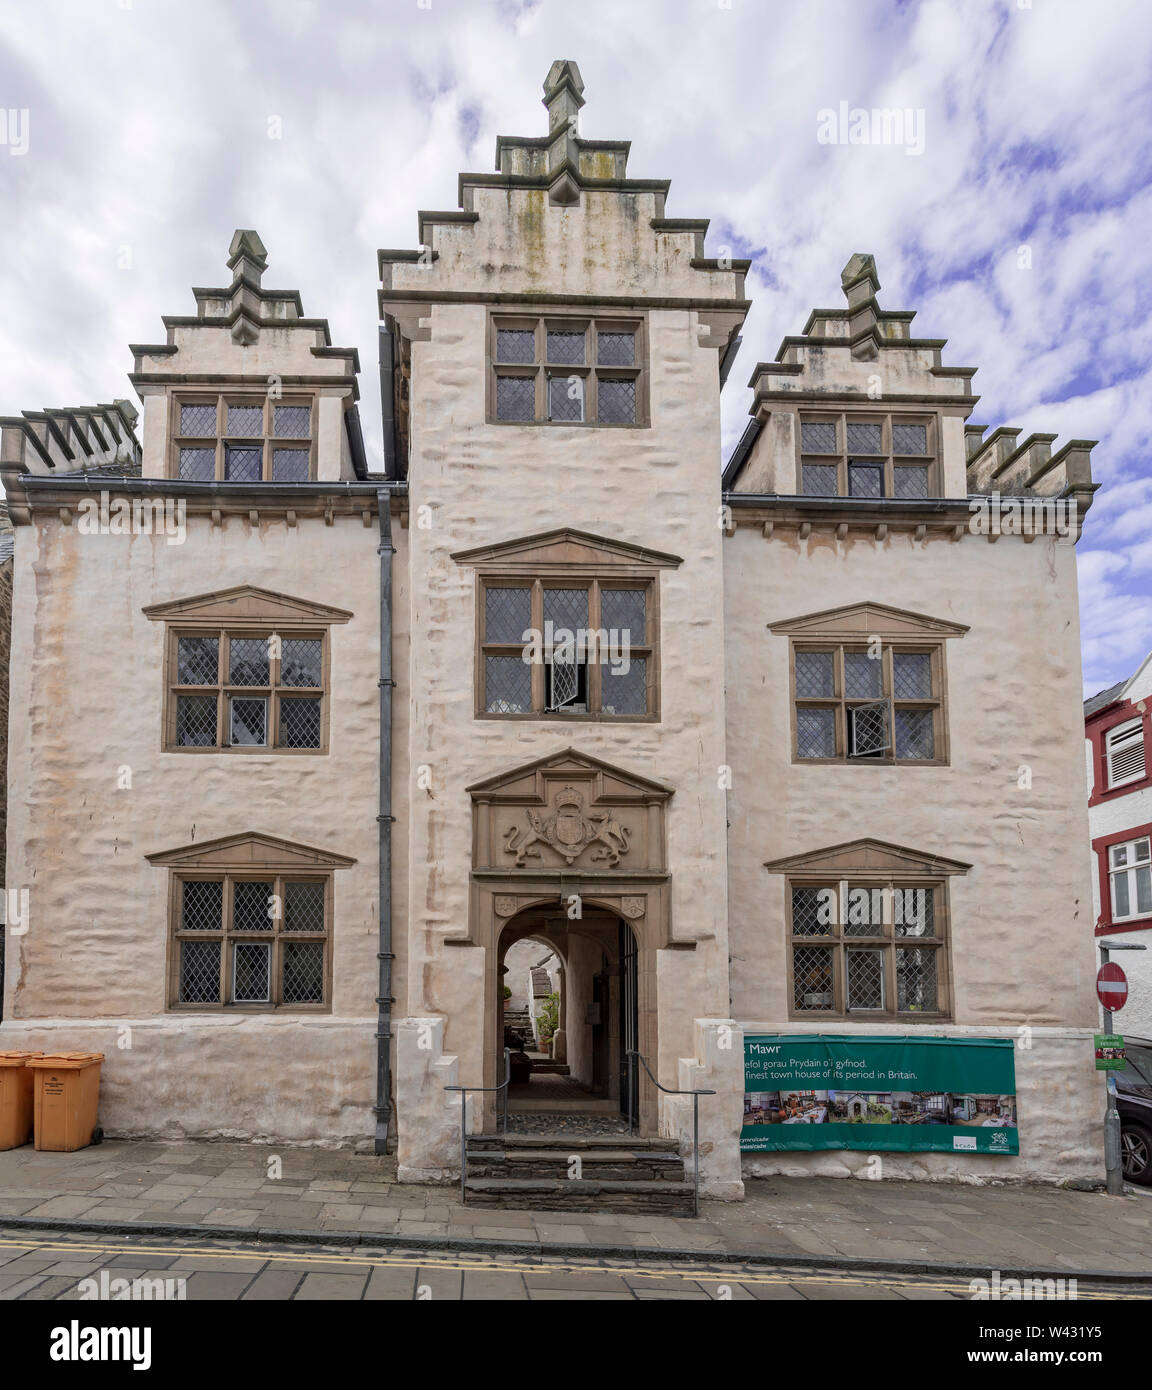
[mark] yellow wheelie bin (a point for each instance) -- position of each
(16, 1103)
(67, 1095)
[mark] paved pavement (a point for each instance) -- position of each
(233, 1190)
(35, 1267)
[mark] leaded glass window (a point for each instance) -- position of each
(568, 370)
(867, 945)
(567, 648)
(242, 439)
(882, 701)
(882, 455)
(251, 942)
(246, 690)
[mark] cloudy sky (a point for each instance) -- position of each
(150, 137)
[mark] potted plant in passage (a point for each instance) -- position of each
(548, 1020)
(507, 996)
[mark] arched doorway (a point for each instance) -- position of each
(582, 1070)
(575, 850)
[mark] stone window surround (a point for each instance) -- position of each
(837, 943)
(254, 857)
(229, 936)
(841, 702)
(870, 863)
(865, 414)
(566, 319)
(274, 693)
(855, 627)
(221, 399)
(537, 581)
(244, 612)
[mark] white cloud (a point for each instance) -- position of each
(150, 132)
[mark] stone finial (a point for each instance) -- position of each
(247, 257)
(563, 94)
(247, 260)
(858, 279)
(859, 282)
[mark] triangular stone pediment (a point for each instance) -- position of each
(248, 604)
(569, 813)
(867, 620)
(867, 856)
(250, 850)
(566, 550)
(529, 784)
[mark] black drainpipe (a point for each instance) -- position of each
(384, 1000)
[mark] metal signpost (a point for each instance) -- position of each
(1112, 991)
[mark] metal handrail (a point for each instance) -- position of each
(501, 1111)
(668, 1091)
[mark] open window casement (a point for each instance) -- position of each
(1124, 749)
(567, 679)
(869, 728)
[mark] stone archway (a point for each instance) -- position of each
(565, 836)
(598, 1016)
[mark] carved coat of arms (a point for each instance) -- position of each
(569, 830)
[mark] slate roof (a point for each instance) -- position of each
(1105, 697)
(105, 470)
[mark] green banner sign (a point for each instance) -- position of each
(815, 1091)
(1109, 1052)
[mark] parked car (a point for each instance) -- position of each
(1134, 1101)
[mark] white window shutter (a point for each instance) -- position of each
(1125, 747)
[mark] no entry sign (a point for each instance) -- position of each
(1112, 986)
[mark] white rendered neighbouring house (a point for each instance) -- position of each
(1117, 738)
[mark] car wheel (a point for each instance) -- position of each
(1136, 1153)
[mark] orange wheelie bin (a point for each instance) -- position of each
(16, 1104)
(67, 1095)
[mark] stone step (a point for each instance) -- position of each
(633, 1143)
(541, 1194)
(629, 1167)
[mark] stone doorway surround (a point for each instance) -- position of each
(568, 828)
(570, 834)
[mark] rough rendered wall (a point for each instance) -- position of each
(1059, 1105)
(1021, 919)
(655, 487)
(87, 685)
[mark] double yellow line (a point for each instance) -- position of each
(735, 1274)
